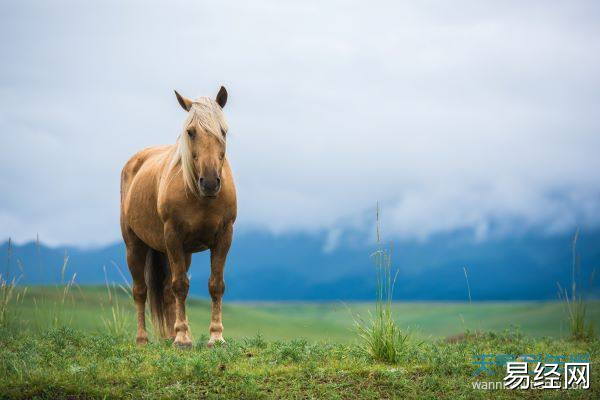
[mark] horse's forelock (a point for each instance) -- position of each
(208, 114)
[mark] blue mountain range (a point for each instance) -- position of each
(263, 266)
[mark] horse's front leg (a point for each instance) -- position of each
(216, 284)
(180, 284)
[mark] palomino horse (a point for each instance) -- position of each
(177, 200)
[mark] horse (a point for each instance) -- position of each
(177, 200)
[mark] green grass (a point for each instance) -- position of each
(382, 337)
(59, 347)
(85, 308)
(65, 363)
(580, 327)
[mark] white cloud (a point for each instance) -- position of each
(453, 115)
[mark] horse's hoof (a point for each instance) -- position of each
(183, 345)
(212, 342)
(141, 341)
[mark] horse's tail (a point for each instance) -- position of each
(157, 274)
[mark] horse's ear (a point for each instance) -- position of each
(185, 103)
(222, 97)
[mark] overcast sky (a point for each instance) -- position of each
(454, 115)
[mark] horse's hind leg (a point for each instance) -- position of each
(216, 284)
(136, 261)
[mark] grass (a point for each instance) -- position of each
(117, 321)
(9, 294)
(67, 363)
(580, 328)
(88, 306)
(274, 350)
(381, 336)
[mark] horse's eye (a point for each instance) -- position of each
(194, 156)
(223, 132)
(221, 156)
(191, 133)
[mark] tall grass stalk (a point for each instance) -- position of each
(62, 316)
(8, 258)
(117, 323)
(575, 305)
(10, 294)
(381, 337)
(10, 297)
(468, 286)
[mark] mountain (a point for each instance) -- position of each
(263, 266)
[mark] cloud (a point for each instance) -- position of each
(452, 115)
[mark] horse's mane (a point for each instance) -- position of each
(208, 114)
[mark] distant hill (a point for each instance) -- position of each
(262, 266)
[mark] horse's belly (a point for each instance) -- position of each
(195, 248)
(149, 230)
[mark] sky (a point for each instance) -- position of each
(464, 115)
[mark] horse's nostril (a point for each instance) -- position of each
(218, 181)
(201, 180)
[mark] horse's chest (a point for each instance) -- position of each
(200, 232)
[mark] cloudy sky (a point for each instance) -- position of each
(454, 115)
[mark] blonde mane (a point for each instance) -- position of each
(209, 115)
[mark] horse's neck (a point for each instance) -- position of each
(170, 168)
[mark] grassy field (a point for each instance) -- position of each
(85, 308)
(59, 346)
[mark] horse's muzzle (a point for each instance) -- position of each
(210, 186)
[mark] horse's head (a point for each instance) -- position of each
(202, 143)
